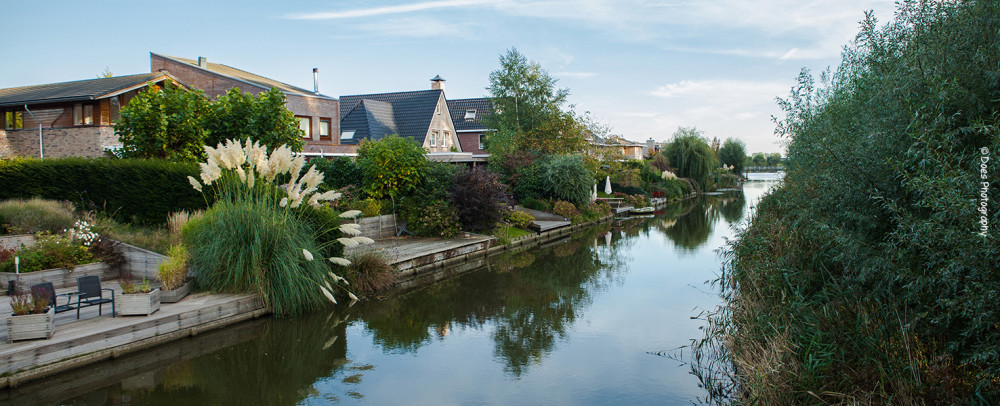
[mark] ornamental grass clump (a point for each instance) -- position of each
(280, 241)
(370, 272)
(34, 215)
(173, 271)
(24, 302)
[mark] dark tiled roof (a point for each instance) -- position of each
(457, 107)
(369, 119)
(411, 113)
(245, 76)
(79, 90)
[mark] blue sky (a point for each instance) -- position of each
(644, 67)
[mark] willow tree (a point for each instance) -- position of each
(692, 157)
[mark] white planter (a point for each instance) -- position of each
(138, 303)
(31, 326)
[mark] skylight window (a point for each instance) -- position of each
(470, 114)
(346, 135)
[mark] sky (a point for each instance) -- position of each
(643, 67)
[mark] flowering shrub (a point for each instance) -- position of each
(565, 209)
(49, 251)
(265, 238)
(82, 233)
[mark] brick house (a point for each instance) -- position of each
(318, 114)
(421, 115)
(467, 117)
(68, 119)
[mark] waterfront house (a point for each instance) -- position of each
(467, 117)
(421, 115)
(70, 118)
(618, 146)
(318, 114)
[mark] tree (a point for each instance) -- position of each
(264, 118)
(392, 166)
(529, 113)
(733, 153)
(759, 159)
(163, 123)
(692, 156)
(772, 159)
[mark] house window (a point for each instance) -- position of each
(83, 114)
(437, 109)
(116, 108)
(13, 120)
(446, 139)
(305, 124)
(470, 114)
(324, 128)
(434, 136)
(481, 144)
(346, 135)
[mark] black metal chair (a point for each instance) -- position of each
(46, 290)
(92, 294)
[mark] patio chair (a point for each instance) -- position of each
(46, 290)
(91, 294)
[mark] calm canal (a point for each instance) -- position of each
(577, 321)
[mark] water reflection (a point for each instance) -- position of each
(571, 322)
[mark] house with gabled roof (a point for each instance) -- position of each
(318, 114)
(420, 115)
(70, 118)
(467, 116)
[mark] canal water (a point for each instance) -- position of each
(587, 319)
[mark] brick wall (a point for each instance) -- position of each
(470, 142)
(85, 141)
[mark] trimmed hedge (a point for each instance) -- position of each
(133, 190)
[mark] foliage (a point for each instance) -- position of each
(24, 302)
(519, 219)
(565, 209)
(370, 273)
(566, 178)
(163, 123)
(391, 167)
(371, 207)
(692, 157)
(660, 162)
(153, 238)
(262, 238)
(529, 181)
(32, 215)
(264, 119)
(476, 195)
(733, 153)
(438, 181)
(535, 204)
(433, 219)
(49, 251)
(868, 278)
(107, 251)
(338, 172)
(131, 287)
(141, 191)
(173, 271)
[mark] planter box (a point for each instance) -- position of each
(60, 277)
(31, 326)
(175, 295)
(138, 303)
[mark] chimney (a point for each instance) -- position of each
(316, 80)
(202, 62)
(437, 83)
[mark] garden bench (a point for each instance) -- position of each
(46, 289)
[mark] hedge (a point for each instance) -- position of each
(133, 190)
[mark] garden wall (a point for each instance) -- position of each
(380, 227)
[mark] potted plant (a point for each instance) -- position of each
(137, 298)
(173, 275)
(32, 316)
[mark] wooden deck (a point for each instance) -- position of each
(96, 337)
(410, 253)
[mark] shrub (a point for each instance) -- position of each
(370, 272)
(536, 204)
(565, 209)
(33, 215)
(49, 251)
(627, 190)
(173, 271)
(435, 219)
(566, 178)
(370, 207)
(519, 219)
(135, 190)
(338, 172)
(529, 181)
(392, 166)
(476, 195)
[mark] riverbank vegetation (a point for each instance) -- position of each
(868, 277)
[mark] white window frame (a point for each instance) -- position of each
(308, 130)
(470, 114)
(346, 135)
(329, 125)
(446, 138)
(481, 145)
(434, 135)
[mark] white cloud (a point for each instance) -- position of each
(378, 11)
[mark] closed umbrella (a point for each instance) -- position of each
(607, 185)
